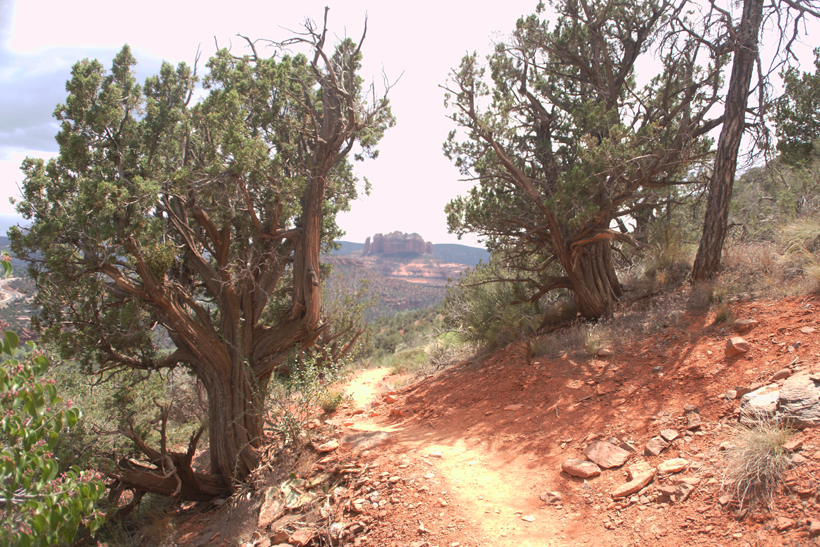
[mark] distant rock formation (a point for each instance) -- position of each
(397, 243)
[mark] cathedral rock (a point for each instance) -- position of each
(397, 243)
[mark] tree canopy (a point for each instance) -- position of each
(203, 218)
(568, 132)
(797, 113)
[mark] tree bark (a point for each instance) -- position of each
(707, 261)
(594, 281)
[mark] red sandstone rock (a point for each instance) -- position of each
(737, 346)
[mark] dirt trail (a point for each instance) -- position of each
(491, 493)
(473, 447)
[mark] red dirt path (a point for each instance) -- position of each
(466, 466)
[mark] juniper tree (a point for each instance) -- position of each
(205, 219)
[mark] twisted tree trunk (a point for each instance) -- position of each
(593, 279)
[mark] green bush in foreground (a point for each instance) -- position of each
(39, 505)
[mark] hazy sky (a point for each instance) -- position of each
(419, 41)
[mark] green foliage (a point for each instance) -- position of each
(402, 331)
(563, 141)
(331, 400)
(294, 399)
(200, 220)
(489, 307)
(42, 505)
(797, 114)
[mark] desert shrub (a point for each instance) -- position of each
(755, 466)
(723, 314)
(402, 331)
(294, 399)
(490, 307)
(407, 361)
(581, 336)
(331, 400)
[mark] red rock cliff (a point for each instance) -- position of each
(397, 243)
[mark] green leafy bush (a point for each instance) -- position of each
(41, 505)
(490, 307)
(294, 399)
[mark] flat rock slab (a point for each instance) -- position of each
(655, 446)
(637, 469)
(760, 403)
(580, 468)
(606, 455)
(272, 508)
(669, 435)
(634, 485)
(675, 465)
(799, 400)
(365, 440)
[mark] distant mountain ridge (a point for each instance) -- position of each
(446, 252)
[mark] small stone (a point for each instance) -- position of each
(604, 352)
(629, 447)
(781, 374)
(668, 490)
(814, 528)
(725, 499)
(435, 454)
(807, 330)
(606, 455)
(551, 497)
(655, 446)
(528, 518)
(430, 476)
(442, 502)
(684, 491)
(658, 369)
(669, 435)
(731, 394)
(675, 465)
(793, 445)
(737, 346)
(745, 324)
(633, 486)
(302, 537)
(784, 524)
(606, 388)
(693, 421)
(329, 446)
(797, 459)
(691, 408)
(389, 399)
(514, 407)
(580, 468)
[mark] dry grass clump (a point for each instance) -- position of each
(755, 466)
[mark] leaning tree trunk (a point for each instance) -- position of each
(594, 282)
(715, 222)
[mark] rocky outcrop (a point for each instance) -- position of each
(396, 243)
